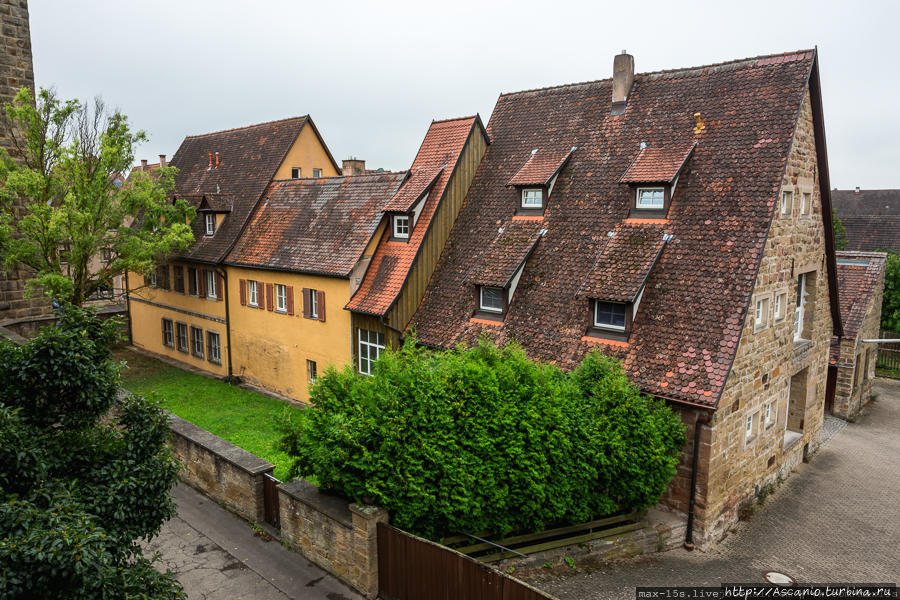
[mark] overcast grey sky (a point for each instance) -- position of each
(374, 75)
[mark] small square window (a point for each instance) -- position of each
(401, 226)
(252, 293)
(317, 172)
(533, 198)
(295, 173)
(762, 313)
(787, 199)
(609, 315)
(210, 223)
(651, 198)
(213, 347)
(491, 299)
(311, 371)
(197, 342)
(280, 298)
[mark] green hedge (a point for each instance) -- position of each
(483, 438)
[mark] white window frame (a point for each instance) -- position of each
(280, 298)
(787, 202)
(312, 371)
(313, 304)
(748, 432)
(761, 316)
(210, 220)
(485, 307)
(639, 203)
(252, 293)
(153, 278)
(213, 351)
(367, 346)
(609, 326)
(398, 221)
(317, 173)
(210, 284)
(805, 203)
(195, 352)
(780, 303)
(528, 197)
(770, 414)
(800, 310)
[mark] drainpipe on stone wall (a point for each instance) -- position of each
(703, 418)
(227, 318)
(128, 308)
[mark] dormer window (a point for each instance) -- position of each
(651, 198)
(210, 223)
(609, 315)
(533, 198)
(492, 299)
(401, 226)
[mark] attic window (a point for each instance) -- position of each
(491, 299)
(609, 315)
(652, 198)
(295, 173)
(210, 223)
(532, 198)
(317, 173)
(401, 226)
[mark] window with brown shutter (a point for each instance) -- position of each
(242, 286)
(307, 305)
(201, 283)
(192, 281)
(320, 305)
(270, 297)
(220, 287)
(179, 278)
(261, 290)
(290, 299)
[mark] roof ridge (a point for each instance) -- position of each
(382, 174)
(433, 121)
(662, 72)
(199, 135)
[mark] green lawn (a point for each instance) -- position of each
(243, 417)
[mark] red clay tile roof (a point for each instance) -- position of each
(506, 253)
(858, 277)
(688, 326)
(216, 203)
(872, 233)
(249, 157)
(540, 168)
(866, 203)
(419, 184)
(624, 264)
(657, 165)
(442, 146)
(315, 225)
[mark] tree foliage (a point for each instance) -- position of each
(62, 201)
(840, 232)
(890, 306)
(79, 485)
(484, 438)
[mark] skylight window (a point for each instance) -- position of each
(609, 315)
(532, 198)
(651, 198)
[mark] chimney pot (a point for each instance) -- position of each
(623, 78)
(162, 161)
(857, 189)
(144, 165)
(210, 162)
(217, 160)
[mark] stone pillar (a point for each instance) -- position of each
(365, 546)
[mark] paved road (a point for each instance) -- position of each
(217, 556)
(835, 520)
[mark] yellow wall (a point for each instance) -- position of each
(148, 306)
(271, 348)
(306, 153)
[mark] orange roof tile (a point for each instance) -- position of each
(540, 167)
(657, 165)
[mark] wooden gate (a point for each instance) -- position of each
(270, 500)
(412, 568)
(889, 354)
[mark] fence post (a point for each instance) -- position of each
(365, 542)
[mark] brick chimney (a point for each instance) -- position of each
(144, 164)
(623, 78)
(353, 166)
(217, 160)
(162, 161)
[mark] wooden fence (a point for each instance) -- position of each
(412, 568)
(889, 354)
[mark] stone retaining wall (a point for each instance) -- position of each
(220, 470)
(339, 536)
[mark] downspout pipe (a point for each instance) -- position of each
(128, 309)
(703, 418)
(225, 299)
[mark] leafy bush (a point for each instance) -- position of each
(78, 485)
(890, 306)
(484, 438)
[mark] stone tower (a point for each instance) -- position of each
(16, 70)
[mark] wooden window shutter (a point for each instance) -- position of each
(289, 300)
(270, 297)
(242, 284)
(307, 308)
(220, 287)
(163, 321)
(320, 304)
(192, 281)
(260, 295)
(201, 283)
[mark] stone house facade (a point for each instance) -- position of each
(852, 364)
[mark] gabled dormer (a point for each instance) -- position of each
(615, 286)
(404, 208)
(495, 277)
(212, 210)
(652, 177)
(534, 181)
